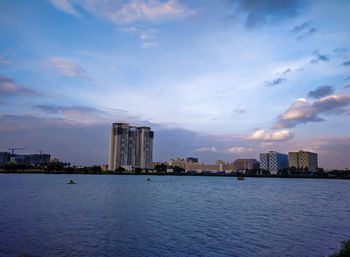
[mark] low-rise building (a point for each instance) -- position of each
(104, 167)
(246, 164)
(34, 159)
(213, 168)
(178, 162)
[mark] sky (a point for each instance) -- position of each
(221, 79)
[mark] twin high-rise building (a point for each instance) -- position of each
(273, 162)
(130, 146)
(303, 161)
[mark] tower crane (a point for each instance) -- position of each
(14, 149)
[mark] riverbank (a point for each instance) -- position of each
(323, 176)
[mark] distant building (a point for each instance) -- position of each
(178, 162)
(34, 159)
(104, 167)
(169, 170)
(218, 162)
(55, 160)
(273, 162)
(246, 164)
(191, 165)
(213, 168)
(192, 159)
(130, 146)
(181, 162)
(303, 161)
(5, 157)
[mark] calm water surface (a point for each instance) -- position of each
(40, 215)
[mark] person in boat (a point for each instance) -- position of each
(71, 182)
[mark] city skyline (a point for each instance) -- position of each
(215, 80)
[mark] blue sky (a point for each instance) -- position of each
(215, 79)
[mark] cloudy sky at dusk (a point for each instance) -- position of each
(215, 79)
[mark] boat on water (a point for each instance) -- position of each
(71, 182)
(240, 178)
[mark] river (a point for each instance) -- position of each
(106, 215)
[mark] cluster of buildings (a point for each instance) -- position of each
(271, 162)
(33, 159)
(131, 147)
(191, 164)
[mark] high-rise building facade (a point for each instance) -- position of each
(273, 162)
(303, 161)
(130, 146)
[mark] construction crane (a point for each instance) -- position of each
(13, 149)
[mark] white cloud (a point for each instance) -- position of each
(5, 61)
(68, 68)
(263, 135)
(65, 6)
(237, 150)
(207, 149)
(147, 36)
(9, 88)
(120, 12)
(302, 111)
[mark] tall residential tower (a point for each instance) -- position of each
(130, 146)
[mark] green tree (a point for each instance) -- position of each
(344, 250)
(120, 169)
(55, 166)
(161, 167)
(96, 169)
(293, 170)
(178, 169)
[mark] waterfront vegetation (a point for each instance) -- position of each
(161, 169)
(344, 250)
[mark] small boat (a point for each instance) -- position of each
(148, 179)
(240, 178)
(71, 182)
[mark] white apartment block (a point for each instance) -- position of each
(273, 162)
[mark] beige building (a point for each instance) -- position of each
(246, 164)
(218, 166)
(179, 162)
(189, 165)
(130, 146)
(303, 161)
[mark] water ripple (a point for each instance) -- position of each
(40, 215)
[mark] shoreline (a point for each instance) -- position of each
(170, 174)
